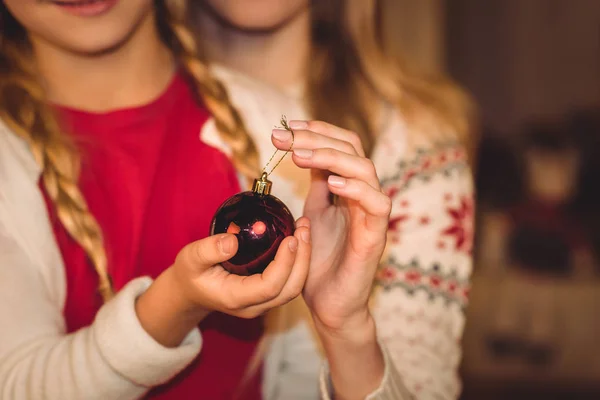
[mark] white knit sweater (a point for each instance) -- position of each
(418, 304)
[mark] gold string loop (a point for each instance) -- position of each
(285, 126)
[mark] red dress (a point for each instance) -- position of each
(144, 174)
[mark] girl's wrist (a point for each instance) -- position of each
(165, 313)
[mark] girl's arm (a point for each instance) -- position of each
(140, 339)
(112, 358)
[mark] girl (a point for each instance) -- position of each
(125, 192)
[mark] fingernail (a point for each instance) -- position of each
(303, 153)
(226, 244)
(305, 235)
(298, 124)
(293, 244)
(336, 181)
(282, 135)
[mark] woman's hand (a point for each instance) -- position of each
(196, 285)
(349, 234)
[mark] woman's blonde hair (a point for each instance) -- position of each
(24, 109)
(351, 80)
(350, 73)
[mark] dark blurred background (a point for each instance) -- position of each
(533, 66)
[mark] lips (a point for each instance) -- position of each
(82, 3)
(86, 8)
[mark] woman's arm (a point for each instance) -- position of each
(423, 282)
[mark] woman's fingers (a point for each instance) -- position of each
(331, 131)
(304, 139)
(337, 162)
(376, 205)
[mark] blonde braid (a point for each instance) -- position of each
(228, 121)
(23, 108)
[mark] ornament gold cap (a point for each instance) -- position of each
(262, 186)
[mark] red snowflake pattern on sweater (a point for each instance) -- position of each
(394, 227)
(461, 229)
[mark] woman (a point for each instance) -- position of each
(121, 79)
(316, 59)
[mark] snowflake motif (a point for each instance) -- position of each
(462, 225)
(466, 292)
(413, 277)
(386, 274)
(394, 227)
(392, 191)
(435, 281)
(451, 287)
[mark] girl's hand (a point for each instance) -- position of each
(196, 285)
(349, 233)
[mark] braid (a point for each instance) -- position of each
(23, 108)
(214, 94)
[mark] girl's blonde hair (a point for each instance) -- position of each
(24, 109)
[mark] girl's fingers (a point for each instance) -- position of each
(295, 283)
(337, 162)
(244, 291)
(204, 254)
(332, 131)
(304, 139)
(376, 205)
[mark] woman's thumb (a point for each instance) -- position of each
(210, 251)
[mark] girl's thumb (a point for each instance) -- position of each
(210, 251)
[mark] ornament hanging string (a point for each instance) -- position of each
(285, 126)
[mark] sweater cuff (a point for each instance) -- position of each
(130, 350)
(391, 387)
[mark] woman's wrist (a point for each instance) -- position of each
(165, 313)
(356, 363)
(358, 328)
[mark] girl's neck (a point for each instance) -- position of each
(277, 57)
(133, 74)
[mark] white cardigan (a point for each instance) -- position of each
(419, 318)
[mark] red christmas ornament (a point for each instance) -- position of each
(260, 222)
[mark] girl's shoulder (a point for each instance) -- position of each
(15, 155)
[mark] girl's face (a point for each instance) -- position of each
(257, 15)
(81, 26)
